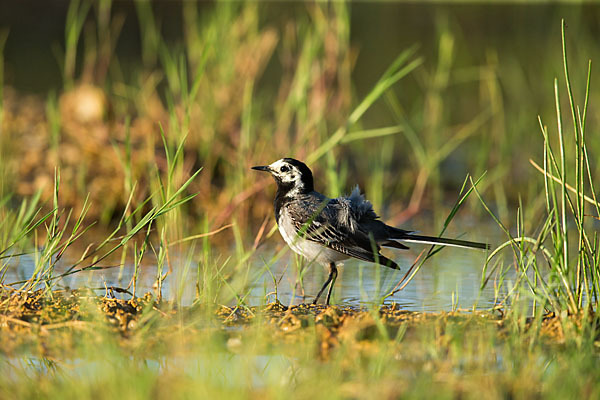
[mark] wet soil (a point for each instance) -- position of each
(53, 323)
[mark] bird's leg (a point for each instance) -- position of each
(332, 272)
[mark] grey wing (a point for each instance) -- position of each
(325, 227)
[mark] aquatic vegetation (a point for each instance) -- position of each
(158, 154)
(557, 280)
(101, 346)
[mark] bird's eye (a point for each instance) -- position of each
(284, 169)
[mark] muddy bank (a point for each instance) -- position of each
(55, 323)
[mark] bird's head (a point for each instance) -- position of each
(291, 175)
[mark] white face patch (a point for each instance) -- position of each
(287, 173)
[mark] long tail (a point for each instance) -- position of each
(444, 241)
(408, 236)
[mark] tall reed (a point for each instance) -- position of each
(559, 265)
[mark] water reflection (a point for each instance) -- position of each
(448, 280)
(443, 283)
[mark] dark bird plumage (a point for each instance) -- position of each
(331, 230)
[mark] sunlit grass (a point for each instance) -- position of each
(554, 278)
(186, 179)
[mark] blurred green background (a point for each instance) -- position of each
(88, 86)
(126, 101)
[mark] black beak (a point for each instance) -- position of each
(262, 168)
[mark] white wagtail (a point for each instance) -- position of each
(331, 230)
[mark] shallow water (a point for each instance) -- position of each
(449, 280)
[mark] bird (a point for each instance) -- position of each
(327, 231)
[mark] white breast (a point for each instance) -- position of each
(309, 249)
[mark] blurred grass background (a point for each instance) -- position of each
(89, 86)
(131, 99)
